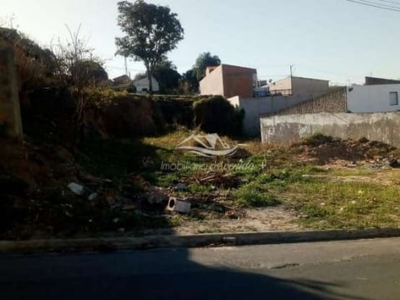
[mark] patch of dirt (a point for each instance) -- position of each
(252, 220)
(274, 219)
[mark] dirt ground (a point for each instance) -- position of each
(253, 220)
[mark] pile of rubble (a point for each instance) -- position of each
(326, 150)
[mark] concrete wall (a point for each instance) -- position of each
(374, 126)
(10, 115)
(254, 107)
(306, 87)
(334, 102)
(213, 83)
(372, 98)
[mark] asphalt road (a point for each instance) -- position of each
(368, 269)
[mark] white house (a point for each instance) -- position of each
(373, 98)
(142, 85)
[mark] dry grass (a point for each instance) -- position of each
(255, 147)
(170, 140)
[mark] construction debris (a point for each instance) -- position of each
(217, 179)
(76, 188)
(181, 187)
(156, 195)
(394, 163)
(178, 205)
(93, 196)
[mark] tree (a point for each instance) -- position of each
(189, 82)
(229, 120)
(150, 31)
(77, 66)
(78, 69)
(203, 61)
(140, 76)
(167, 75)
(92, 70)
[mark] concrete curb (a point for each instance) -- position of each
(202, 240)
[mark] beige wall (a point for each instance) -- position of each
(228, 81)
(213, 83)
(281, 85)
(309, 87)
(300, 86)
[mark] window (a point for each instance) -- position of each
(394, 98)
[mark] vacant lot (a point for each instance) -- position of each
(321, 183)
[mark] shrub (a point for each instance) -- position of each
(217, 115)
(129, 117)
(34, 65)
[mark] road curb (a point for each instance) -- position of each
(189, 241)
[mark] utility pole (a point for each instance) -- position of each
(291, 79)
(126, 66)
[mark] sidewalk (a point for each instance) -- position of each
(188, 241)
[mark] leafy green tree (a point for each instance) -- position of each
(92, 70)
(203, 61)
(150, 31)
(189, 82)
(167, 75)
(140, 76)
(216, 115)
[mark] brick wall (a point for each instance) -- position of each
(238, 81)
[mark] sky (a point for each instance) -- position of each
(337, 40)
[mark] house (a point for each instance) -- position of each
(242, 89)
(271, 98)
(377, 95)
(142, 85)
(123, 79)
(229, 81)
(299, 86)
